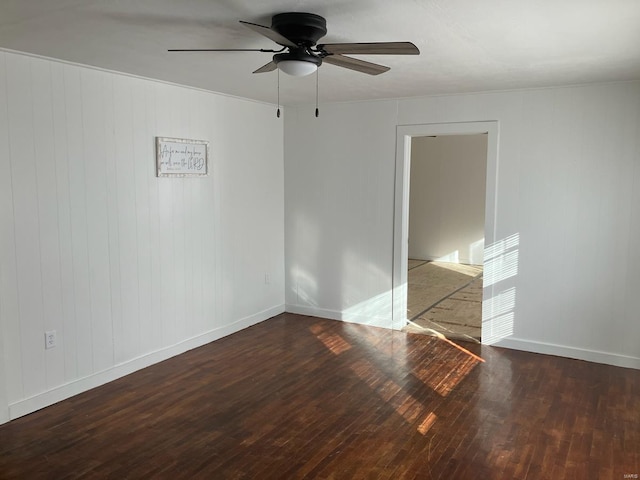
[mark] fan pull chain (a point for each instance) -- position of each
(278, 112)
(317, 76)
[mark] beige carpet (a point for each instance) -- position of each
(445, 298)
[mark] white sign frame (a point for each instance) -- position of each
(180, 157)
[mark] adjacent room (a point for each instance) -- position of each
(446, 235)
(226, 227)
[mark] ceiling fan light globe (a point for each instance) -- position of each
(297, 68)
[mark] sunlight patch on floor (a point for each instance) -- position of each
(469, 270)
(441, 375)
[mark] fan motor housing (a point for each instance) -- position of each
(298, 54)
(304, 29)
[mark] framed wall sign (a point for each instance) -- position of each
(179, 157)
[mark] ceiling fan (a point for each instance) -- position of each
(298, 33)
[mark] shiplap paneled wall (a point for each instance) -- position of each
(568, 187)
(339, 211)
(126, 267)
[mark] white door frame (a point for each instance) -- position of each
(404, 134)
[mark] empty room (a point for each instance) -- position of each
(208, 239)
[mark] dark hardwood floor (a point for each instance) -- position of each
(302, 397)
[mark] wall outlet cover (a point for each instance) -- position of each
(49, 339)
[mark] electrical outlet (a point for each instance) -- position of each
(49, 339)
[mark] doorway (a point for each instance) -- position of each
(446, 235)
(405, 135)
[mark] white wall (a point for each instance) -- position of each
(568, 214)
(447, 192)
(338, 205)
(128, 268)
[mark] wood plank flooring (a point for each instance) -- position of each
(302, 397)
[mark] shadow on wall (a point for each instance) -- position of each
(501, 263)
(359, 290)
(475, 254)
(355, 294)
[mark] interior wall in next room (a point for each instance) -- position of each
(447, 198)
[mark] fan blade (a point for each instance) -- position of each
(221, 50)
(269, 67)
(355, 64)
(270, 34)
(375, 48)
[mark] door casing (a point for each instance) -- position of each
(404, 134)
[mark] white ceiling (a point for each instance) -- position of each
(466, 45)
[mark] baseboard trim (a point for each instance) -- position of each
(569, 352)
(382, 322)
(55, 395)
